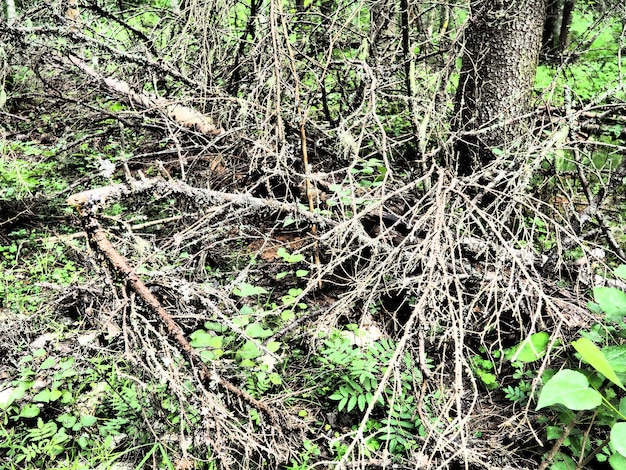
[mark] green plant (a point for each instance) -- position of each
(58, 412)
(595, 388)
(302, 462)
(484, 368)
(352, 375)
(24, 265)
(292, 259)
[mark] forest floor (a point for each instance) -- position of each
(169, 300)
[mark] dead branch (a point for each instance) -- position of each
(183, 115)
(98, 239)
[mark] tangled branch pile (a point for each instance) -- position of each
(267, 134)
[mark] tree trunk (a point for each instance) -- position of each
(502, 44)
(551, 29)
(10, 11)
(566, 21)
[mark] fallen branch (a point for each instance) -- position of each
(183, 115)
(99, 241)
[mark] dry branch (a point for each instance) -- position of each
(84, 204)
(183, 115)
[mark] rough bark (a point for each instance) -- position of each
(502, 44)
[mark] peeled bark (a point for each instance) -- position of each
(503, 39)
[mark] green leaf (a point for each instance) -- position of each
(43, 396)
(553, 432)
(596, 358)
(246, 290)
(273, 346)
(248, 351)
(616, 355)
(529, 350)
(618, 438)
(351, 403)
(202, 339)
(29, 411)
(361, 402)
(301, 272)
(620, 271)
(9, 395)
(279, 276)
(214, 326)
(48, 363)
(563, 462)
(342, 403)
(254, 330)
(88, 420)
(612, 301)
(571, 389)
(617, 461)
(287, 315)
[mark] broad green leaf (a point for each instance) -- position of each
(287, 315)
(612, 301)
(249, 351)
(88, 420)
(617, 462)
(247, 363)
(6, 398)
(571, 389)
(254, 330)
(553, 432)
(275, 378)
(529, 350)
(246, 290)
(618, 438)
(616, 355)
(597, 359)
(29, 411)
(621, 271)
(594, 308)
(10, 395)
(296, 258)
(67, 421)
(48, 363)
(202, 339)
(336, 396)
(43, 396)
